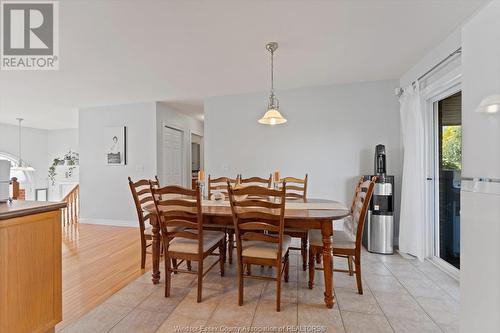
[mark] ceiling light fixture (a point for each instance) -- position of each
(273, 115)
(21, 166)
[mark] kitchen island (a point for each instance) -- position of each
(30, 266)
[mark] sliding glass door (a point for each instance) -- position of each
(448, 167)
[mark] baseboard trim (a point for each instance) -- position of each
(444, 266)
(338, 225)
(116, 223)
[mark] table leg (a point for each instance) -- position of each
(326, 232)
(156, 249)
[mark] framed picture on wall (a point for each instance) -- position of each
(115, 143)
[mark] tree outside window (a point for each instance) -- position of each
(452, 148)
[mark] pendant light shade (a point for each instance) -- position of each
(489, 104)
(21, 166)
(273, 115)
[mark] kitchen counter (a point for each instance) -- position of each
(30, 266)
(22, 208)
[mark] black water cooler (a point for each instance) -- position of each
(378, 236)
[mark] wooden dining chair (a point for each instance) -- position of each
(347, 224)
(260, 239)
(220, 185)
(142, 196)
(346, 243)
(258, 181)
(179, 212)
(296, 189)
(251, 181)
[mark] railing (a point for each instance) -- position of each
(71, 213)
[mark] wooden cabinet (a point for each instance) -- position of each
(30, 266)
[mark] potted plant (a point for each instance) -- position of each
(70, 159)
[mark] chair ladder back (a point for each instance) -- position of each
(256, 181)
(142, 196)
(259, 219)
(220, 185)
(360, 207)
(178, 209)
(356, 190)
(296, 188)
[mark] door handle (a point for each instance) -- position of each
(430, 178)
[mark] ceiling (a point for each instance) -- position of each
(192, 108)
(116, 52)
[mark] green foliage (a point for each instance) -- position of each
(71, 159)
(452, 148)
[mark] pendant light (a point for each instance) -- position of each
(273, 115)
(21, 166)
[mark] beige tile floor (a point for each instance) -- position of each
(400, 295)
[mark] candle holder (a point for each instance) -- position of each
(276, 185)
(276, 180)
(202, 189)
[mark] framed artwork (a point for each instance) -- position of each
(115, 143)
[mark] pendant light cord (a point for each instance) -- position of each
(272, 73)
(273, 102)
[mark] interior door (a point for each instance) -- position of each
(172, 156)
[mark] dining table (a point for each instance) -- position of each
(305, 215)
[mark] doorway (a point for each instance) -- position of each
(448, 169)
(197, 153)
(173, 170)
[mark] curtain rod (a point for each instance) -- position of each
(457, 51)
(399, 91)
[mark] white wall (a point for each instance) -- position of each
(331, 134)
(480, 229)
(34, 150)
(481, 76)
(105, 194)
(435, 55)
(59, 142)
(166, 116)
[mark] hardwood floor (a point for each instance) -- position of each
(97, 261)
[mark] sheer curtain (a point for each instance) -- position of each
(412, 216)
